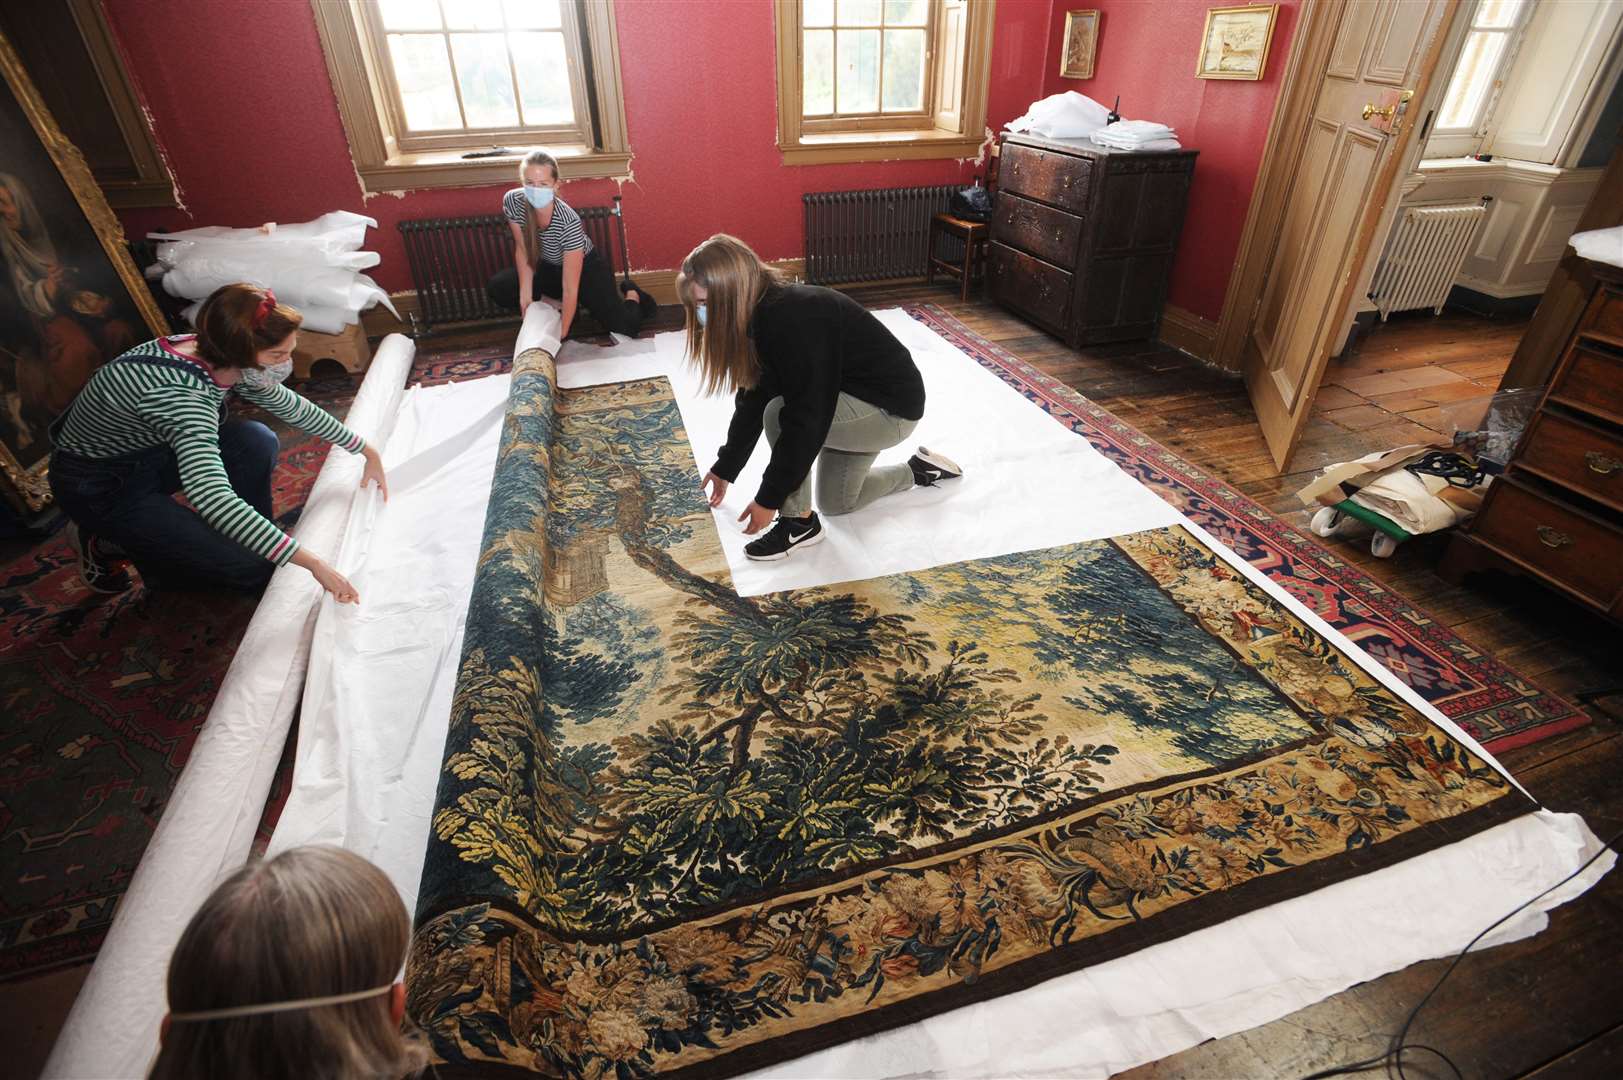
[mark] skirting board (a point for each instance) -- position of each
(1188, 332)
(660, 284)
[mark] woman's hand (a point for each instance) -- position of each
(715, 489)
(328, 578)
(373, 473)
(523, 305)
(758, 516)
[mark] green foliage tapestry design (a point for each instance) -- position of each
(682, 830)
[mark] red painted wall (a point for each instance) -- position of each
(1147, 54)
(244, 109)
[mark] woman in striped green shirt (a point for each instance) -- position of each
(152, 422)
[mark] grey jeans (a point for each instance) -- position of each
(846, 479)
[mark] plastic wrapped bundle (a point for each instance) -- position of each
(314, 265)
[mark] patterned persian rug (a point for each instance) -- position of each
(1499, 707)
(682, 831)
(103, 698)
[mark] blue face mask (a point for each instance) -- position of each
(540, 197)
(698, 311)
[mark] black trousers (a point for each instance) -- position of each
(599, 294)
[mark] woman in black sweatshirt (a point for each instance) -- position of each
(814, 369)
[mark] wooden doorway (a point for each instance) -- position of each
(1339, 133)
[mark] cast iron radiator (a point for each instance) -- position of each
(872, 235)
(451, 259)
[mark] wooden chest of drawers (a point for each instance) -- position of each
(1557, 513)
(1083, 236)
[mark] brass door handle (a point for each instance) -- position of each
(1600, 463)
(1553, 537)
(1385, 114)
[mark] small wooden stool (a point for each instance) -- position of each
(349, 348)
(974, 234)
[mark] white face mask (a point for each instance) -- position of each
(698, 312)
(268, 376)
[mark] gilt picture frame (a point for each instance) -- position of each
(70, 296)
(1234, 44)
(1080, 45)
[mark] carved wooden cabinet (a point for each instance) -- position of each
(1557, 513)
(1083, 236)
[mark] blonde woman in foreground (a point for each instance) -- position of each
(288, 972)
(820, 374)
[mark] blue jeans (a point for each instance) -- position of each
(129, 501)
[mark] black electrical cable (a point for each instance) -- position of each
(1393, 1058)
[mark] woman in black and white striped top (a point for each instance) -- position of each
(151, 422)
(553, 256)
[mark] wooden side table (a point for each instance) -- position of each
(974, 234)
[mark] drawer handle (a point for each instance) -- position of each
(1065, 180)
(1059, 234)
(1600, 463)
(1553, 537)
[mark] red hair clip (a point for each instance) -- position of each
(266, 306)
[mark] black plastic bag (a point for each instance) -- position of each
(971, 204)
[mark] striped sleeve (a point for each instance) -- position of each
(287, 406)
(513, 206)
(189, 421)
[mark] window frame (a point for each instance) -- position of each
(466, 138)
(939, 130)
(910, 120)
(1467, 140)
(387, 158)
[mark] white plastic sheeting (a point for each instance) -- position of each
(208, 825)
(1067, 115)
(314, 265)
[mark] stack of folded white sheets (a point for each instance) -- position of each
(1137, 135)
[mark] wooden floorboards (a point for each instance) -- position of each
(1546, 1007)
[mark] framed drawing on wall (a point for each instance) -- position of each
(1235, 44)
(1081, 44)
(70, 298)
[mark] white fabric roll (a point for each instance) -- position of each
(208, 826)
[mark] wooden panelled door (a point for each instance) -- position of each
(1345, 172)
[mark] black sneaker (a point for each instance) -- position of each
(929, 467)
(784, 537)
(98, 572)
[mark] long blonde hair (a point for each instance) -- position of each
(313, 921)
(734, 279)
(532, 242)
